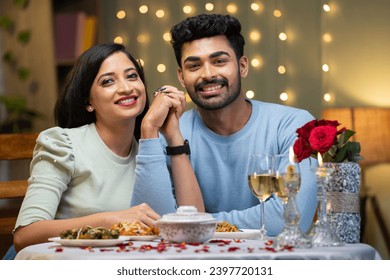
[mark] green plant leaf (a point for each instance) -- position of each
(24, 36)
(6, 23)
(8, 57)
(23, 73)
(21, 3)
(344, 137)
(348, 152)
(13, 103)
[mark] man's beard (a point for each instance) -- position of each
(233, 93)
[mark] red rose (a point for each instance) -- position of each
(305, 130)
(322, 138)
(302, 149)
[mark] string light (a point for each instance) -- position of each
(281, 45)
(326, 7)
(255, 35)
(282, 69)
(277, 13)
(282, 36)
(283, 96)
(209, 7)
(250, 94)
(161, 68)
(160, 13)
(326, 39)
(142, 38)
(257, 62)
(187, 9)
(121, 14)
(232, 8)
(167, 36)
(327, 97)
(257, 7)
(118, 40)
(143, 9)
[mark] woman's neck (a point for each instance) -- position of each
(118, 139)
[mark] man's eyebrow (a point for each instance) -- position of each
(213, 55)
(216, 54)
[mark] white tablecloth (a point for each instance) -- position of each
(216, 249)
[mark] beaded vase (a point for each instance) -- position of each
(342, 196)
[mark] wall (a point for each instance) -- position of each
(38, 55)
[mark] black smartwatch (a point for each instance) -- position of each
(178, 150)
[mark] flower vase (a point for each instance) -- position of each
(343, 200)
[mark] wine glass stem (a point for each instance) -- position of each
(262, 220)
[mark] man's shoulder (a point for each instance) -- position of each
(274, 106)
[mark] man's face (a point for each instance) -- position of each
(211, 73)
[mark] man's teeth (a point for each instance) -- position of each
(212, 88)
(124, 101)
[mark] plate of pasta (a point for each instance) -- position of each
(225, 230)
(136, 231)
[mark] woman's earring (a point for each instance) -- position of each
(89, 108)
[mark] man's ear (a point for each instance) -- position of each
(243, 63)
(180, 77)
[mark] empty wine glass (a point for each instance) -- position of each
(261, 175)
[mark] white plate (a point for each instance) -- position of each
(243, 234)
(141, 237)
(89, 242)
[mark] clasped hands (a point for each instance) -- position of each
(163, 115)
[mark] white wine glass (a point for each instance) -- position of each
(261, 175)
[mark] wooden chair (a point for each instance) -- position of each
(13, 147)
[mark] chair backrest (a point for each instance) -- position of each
(13, 147)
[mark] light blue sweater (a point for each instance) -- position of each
(221, 163)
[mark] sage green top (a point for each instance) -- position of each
(73, 173)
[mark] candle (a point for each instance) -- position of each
(291, 156)
(320, 162)
(321, 171)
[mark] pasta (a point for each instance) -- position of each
(134, 229)
(226, 227)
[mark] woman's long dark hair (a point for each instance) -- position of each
(70, 109)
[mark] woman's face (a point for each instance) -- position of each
(117, 93)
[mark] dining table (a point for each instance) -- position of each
(229, 249)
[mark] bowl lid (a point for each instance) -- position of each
(187, 214)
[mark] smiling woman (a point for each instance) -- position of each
(90, 155)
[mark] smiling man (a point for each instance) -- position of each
(224, 131)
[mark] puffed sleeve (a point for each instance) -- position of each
(51, 169)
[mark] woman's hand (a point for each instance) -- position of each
(163, 115)
(141, 213)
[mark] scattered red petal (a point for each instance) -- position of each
(59, 250)
(233, 249)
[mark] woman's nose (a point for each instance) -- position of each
(123, 87)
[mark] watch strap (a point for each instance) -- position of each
(178, 150)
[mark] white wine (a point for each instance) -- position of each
(261, 185)
(286, 183)
(280, 189)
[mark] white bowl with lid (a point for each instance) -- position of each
(187, 225)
